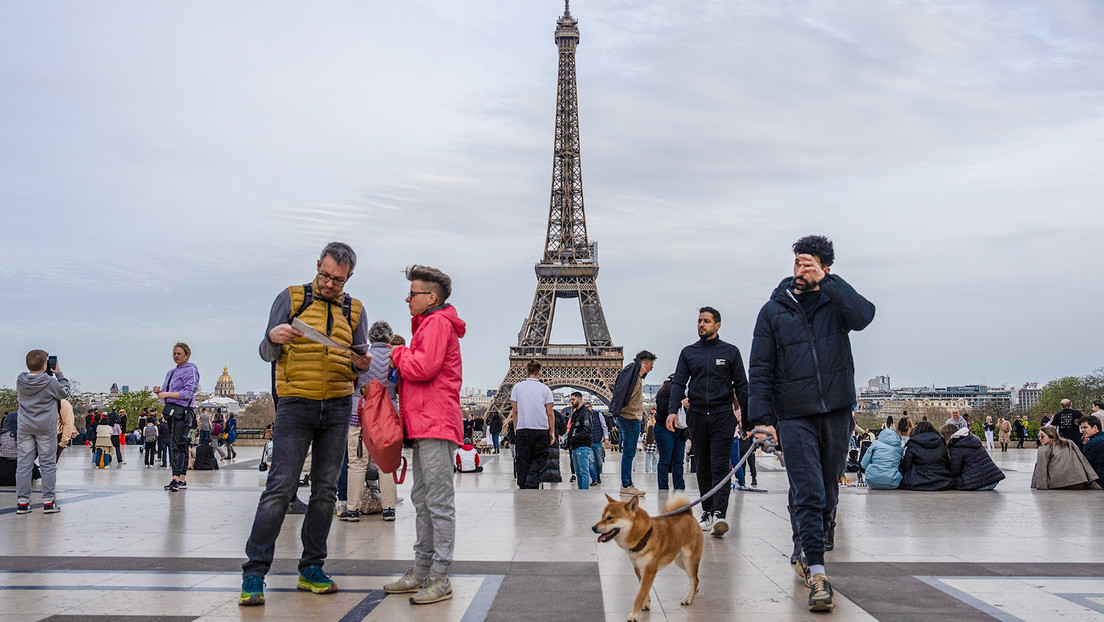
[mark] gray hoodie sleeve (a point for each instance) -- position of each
(281, 311)
(59, 387)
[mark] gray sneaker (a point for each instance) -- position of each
(406, 584)
(435, 589)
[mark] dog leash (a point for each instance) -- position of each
(768, 445)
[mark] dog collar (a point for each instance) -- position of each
(643, 542)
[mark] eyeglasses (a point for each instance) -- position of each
(413, 294)
(323, 277)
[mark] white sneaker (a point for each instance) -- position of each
(720, 525)
(706, 521)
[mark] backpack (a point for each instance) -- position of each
(100, 458)
(382, 428)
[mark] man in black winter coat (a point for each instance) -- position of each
(803, 381)
(715, 371)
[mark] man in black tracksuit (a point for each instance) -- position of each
(803, 381)
(717, 379)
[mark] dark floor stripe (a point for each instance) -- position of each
(365, 606)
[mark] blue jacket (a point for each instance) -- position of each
(1094, 453)
(802, 365)
(882, 461)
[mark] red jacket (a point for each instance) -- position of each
(430, 375)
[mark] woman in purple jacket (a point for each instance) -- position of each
(178, 394)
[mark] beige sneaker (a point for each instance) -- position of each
(821, 598)
(406, 584)
(435, 589)
(632, 490)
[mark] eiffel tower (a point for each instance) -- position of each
(570, 264)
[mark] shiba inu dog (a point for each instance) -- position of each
(653, 543)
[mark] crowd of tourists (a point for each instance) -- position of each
(347, 401)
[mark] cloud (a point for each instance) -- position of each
(166, 170)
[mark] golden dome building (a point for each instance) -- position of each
(225, 385)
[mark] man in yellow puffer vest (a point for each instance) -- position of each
(314, 387)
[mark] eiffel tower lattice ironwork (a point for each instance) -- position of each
(569, 268)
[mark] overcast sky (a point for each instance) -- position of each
(167, 168)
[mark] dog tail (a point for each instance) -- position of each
(675, 502)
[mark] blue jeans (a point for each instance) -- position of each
(300, 423)
(672, 456)
(494, 441)
(597, 459)
(581, 456)
(630, 434)
(816, 454)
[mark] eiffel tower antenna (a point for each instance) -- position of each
(569, 267)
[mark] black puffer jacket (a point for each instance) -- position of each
(926, 465)
(971, 466)
(802, 366)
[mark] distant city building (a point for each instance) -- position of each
(126, 389)
(966, 397)
(1027, 396)
(879, 383)
(224, 387)
(114, 388)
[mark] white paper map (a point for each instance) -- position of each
(316, 336)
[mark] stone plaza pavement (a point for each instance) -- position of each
(124, 549)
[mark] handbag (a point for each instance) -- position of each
(680, 423)
(382, 430)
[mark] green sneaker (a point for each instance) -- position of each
(252, 591)
(312, 578)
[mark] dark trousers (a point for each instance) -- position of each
(179, 423)
(672, 449)
(151, 452)
(163, 451)
(712, 438)
(816, 454)
(115, 444)
(530, 456)
(318, 426)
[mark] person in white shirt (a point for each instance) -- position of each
(535, 427)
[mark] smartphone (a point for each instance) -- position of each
(51, 363)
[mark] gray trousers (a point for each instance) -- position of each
(434, 499)
(43, 447)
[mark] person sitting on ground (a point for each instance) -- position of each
(882, 461)
(1092, 444)
(925, 464)
(467, 459)
(971, 466)
(205, 457)
(1060, 464)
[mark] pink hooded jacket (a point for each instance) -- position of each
(430, 376)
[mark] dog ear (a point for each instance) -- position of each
(633, 503)
(610, 499)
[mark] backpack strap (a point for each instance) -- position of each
(308, 298)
